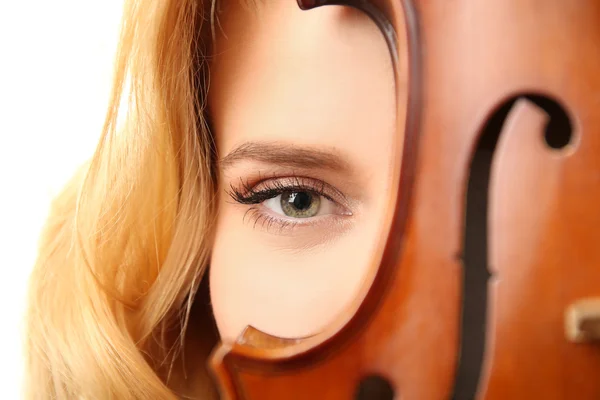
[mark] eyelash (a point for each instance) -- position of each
(271, 188)
(256, 194)
(269, 221)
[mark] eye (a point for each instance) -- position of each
(289, 201)
(300, 204)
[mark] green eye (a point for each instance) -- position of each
(300, 204)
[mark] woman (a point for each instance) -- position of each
(256, 150)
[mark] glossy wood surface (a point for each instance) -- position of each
(467, 59)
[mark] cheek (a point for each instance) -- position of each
(290, 294)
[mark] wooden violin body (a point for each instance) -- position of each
(487, 283)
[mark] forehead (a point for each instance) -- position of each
(312, 77)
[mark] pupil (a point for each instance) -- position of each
(301, 200)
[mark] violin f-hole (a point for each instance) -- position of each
(475, 257)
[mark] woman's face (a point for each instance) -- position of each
(303, 111)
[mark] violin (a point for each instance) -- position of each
(488, 283)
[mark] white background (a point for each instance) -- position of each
(56, 60)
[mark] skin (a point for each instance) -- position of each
(298, 97)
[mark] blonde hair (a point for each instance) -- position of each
(127, 242)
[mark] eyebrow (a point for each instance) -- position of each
(286, 155)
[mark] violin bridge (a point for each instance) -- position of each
(582, 321)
